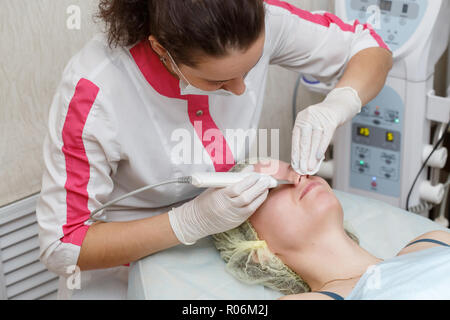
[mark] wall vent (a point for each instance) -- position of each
(22, 275)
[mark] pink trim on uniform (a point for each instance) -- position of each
(77, 163)
(198, 106)
(327, 19)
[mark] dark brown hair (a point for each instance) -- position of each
(185, 28)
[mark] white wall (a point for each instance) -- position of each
(448, 69)
(35, 46)
(278, 112)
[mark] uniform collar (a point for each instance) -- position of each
(154, 70)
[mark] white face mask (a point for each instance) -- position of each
(187, 89)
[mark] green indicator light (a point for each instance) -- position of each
(361, 162)
(397, 120)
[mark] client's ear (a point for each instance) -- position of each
(263, 256)
(255, 258)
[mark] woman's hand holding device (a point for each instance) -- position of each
(219, 210)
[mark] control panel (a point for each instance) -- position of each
(394, 20)
(376, 145)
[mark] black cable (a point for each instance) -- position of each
(425, 164)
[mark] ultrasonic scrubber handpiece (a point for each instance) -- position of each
(199, 180)
(225, 179)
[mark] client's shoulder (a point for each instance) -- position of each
(306, 296)
(438, 238)
(438, 235)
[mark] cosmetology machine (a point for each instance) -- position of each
(385, 151)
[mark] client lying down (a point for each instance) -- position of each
(296, 243)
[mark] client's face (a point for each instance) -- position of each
(294, 215)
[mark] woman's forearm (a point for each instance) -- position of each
(366, 72)
(112, 244)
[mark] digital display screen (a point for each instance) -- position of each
(385, 5)
(405, 8)
(363, 132)
(390, 137)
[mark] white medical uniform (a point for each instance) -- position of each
(118, 116)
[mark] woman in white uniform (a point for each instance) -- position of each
(170, 67)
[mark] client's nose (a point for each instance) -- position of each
(303, 182)
(302, 178)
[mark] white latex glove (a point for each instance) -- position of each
(220, 210)
(316, 125)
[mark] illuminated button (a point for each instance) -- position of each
(199, 113)
(361, 163)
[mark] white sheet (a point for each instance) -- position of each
(198, 272)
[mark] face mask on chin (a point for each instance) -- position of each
(187, 89)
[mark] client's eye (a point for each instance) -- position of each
(216, 83)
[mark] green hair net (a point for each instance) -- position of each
(249, 259)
